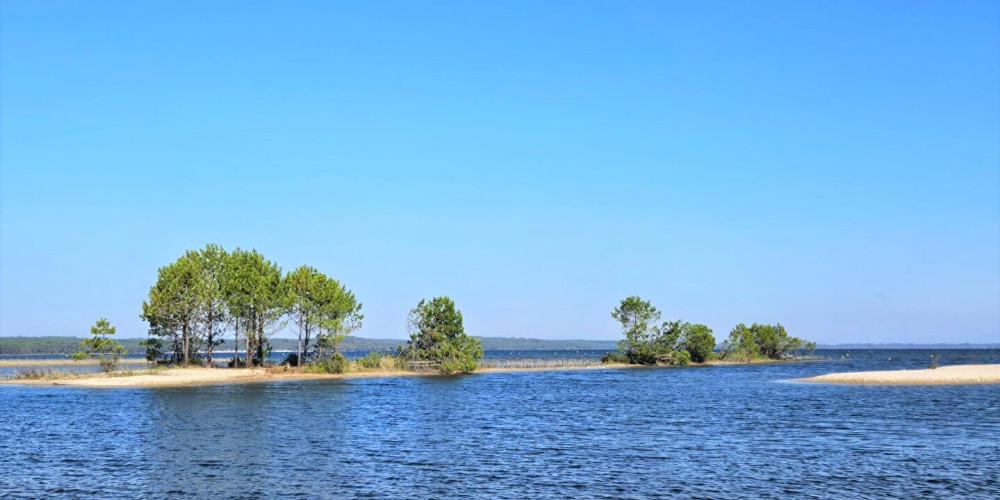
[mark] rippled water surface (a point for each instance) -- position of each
(718, 432)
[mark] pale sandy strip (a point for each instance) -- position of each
(181, 377)
(945, 375)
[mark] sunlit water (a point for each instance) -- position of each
(715, 432)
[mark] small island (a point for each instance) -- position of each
(211, 293)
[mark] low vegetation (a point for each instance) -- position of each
(52, 374)
(760, 341)
(375, 362)
(648, 342)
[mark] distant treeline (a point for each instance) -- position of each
(69, 345)
(54, 345)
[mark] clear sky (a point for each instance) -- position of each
(833, 166)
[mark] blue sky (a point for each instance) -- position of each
(834, 166)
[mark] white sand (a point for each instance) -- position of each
(178, 377)
(181, 377)
(945, 375)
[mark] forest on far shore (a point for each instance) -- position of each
(69, 345)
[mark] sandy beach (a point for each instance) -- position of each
(183, 377)
(944, 375)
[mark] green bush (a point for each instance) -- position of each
(335, 363)
(371, 361)
(449, 366)
(614, 357)
(681, 358)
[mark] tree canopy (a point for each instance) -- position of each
(647, 341)
(438, 337)
(321, 306)
(763, 341)
(677, 342)
(204, 293)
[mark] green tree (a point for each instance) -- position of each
(762, 341)
(740, 344)
(699, 343)
(645, 342)
(211, 262)
(101, 346)
(321, 305)
(638, 319)
(338, 314)
(256, 297)
(438, 336)
(175, 306)
(303, 284)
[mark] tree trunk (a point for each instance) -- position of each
(298, 359)
(305, 348)
(250, 338)
(236, 344)
(186, 343)
(208, 349)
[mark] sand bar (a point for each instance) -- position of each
(183, 377)
(944, 375)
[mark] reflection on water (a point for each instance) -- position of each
(718, 432)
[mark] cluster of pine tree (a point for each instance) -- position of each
(209, 293)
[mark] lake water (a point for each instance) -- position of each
(710, 432)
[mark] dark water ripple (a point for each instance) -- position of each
(705, 432)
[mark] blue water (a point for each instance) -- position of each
(709, 432)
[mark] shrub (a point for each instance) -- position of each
(450, 366)
(614, 357)
(371, 361)
(291, 360)
(335, 363)
(681, 358)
